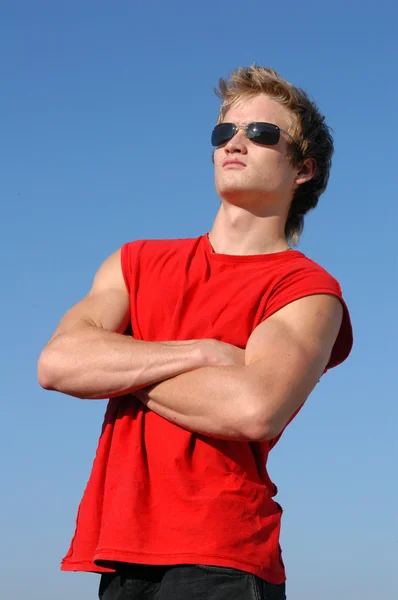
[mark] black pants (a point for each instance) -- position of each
(185, 582)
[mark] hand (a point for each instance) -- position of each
(221, 354)
(214, 354)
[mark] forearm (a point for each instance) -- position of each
(94, 363)
(216, 401)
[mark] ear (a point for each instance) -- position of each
(306, 172)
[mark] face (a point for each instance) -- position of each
(261, 175)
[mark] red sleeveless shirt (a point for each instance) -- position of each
(159, 494)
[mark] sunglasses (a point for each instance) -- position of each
(264, 134)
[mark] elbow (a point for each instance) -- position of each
(265, 434)
(259, 430)
(46, 370)
(257, 425)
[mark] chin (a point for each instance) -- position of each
(256, 201)
(239, 191)
(243, 197)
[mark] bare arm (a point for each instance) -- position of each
(89, 357)
(284, 359)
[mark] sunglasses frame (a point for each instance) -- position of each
(237, 126)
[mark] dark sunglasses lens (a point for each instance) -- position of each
(263, 133)
(222, 133)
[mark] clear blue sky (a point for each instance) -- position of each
(106, 111)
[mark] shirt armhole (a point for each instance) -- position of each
(344, 341)
(125, 263)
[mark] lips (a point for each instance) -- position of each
(233, 162)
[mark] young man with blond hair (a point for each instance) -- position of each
(230, 333)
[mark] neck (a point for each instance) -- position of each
(237, 231)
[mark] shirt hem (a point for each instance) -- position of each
(98, 565)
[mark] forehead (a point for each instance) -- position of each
(259, 108)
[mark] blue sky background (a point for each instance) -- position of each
(106, 111)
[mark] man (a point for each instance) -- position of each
(230, 334)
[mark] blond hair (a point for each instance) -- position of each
(307, 126)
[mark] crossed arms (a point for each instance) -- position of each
(203, 385)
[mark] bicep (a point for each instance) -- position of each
(107, 304)
(287, 354)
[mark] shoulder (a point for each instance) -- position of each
(160, 245)
(299, 277)
(147, 252)
(298, 272)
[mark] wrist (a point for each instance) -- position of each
(207, 353)
(199, 355)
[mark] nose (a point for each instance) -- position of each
(238, 144)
